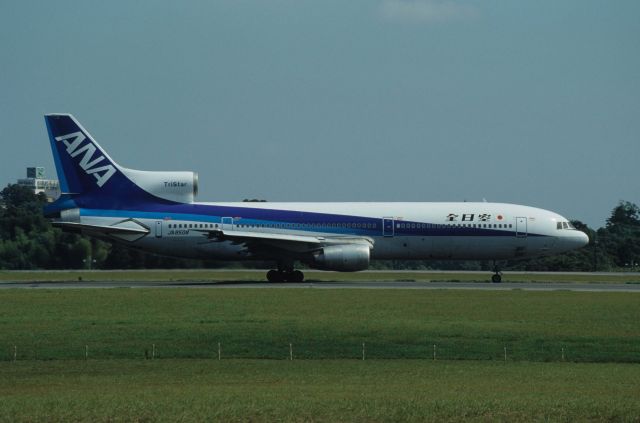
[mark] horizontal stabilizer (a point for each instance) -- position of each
(104, 229)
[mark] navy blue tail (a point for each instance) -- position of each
(81, 164)
(88, 176)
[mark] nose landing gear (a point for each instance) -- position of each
(497, 276)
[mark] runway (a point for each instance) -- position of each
(486, 286)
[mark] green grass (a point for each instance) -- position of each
(248, 275)
(326, 390)
(327, 380)
(320, 323)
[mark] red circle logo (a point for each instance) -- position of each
(499, 217)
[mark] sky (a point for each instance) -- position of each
(527, 102)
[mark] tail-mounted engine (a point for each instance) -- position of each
(175, 186)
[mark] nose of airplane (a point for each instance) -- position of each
(583, 239)
(575, 239)
(570, 240)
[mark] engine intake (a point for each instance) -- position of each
(343, 258)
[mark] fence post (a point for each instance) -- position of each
(562, 353)
(15, 352)
(153, 351)
(290, 352)
(363, 351)
(505, 353)
(86, 352)
(219, 352)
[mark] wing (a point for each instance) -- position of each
(263, 243)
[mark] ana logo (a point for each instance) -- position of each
(87, 163)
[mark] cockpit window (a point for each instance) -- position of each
(564, 225)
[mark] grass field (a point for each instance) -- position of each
(570, 356)
(320, 324)
(251, 275)
(323, 390)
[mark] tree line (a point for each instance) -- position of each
(28, 241)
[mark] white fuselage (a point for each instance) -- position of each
(396, 230)
(155, 211)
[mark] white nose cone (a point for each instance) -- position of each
(571, 240)
(583, 239)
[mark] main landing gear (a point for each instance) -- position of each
(285, 274)
(497, 277)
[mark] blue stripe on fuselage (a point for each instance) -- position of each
(300, 221)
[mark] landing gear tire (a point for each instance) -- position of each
(296, 276)
(274, 276)
(282, 276)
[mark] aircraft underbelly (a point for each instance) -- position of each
(447, 247)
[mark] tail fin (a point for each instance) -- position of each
(82, 165)
(90, 178)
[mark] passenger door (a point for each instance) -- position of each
(521, 227)
(227, 223)
(388, 226)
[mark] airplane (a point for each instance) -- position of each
(156, 211)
